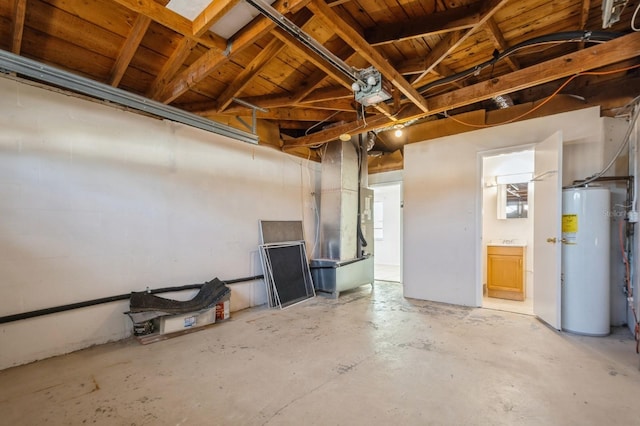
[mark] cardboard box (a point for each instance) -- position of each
(172, 323)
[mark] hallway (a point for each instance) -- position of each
(369, 357)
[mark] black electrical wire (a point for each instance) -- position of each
(87, 303)
(567, 37)
(361, 238)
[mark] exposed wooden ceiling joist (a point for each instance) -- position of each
(145, 48)
(17, 25)
(617, 50)
(128, 49)
(212, 14)
(454, 39)
(353, 38)
(211, 60)
(270, 51)
(174, 21)
(500, 43)
(171, 66)
(458, 18)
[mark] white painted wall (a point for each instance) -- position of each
(442, 224)
(387, 249)
(96, 202)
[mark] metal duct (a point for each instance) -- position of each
(339, 202)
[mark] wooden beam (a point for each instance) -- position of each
(172, 20)
(188, 78)
(261, 25)
(458, 18)
(500, 43)
(284, 100)
(17, 25)
(313, 57)
(332, 105)
(171, 67)
(584, 18)
(210, 61)
(317, 77)
(601, 55)
(359, 44)
(128, 49)
(270, 51)
(584, 13)
(295, 114)
(333, 133)
(212, 14)
(454, 39)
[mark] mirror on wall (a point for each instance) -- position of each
(513, 202)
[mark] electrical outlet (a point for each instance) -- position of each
(632, 216)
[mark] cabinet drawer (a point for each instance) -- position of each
(505, 250)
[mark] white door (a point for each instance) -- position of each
(547, 214)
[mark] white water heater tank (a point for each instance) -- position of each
(585, 261)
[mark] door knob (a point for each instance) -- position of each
(552, 240)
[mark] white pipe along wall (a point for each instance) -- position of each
(98, 202)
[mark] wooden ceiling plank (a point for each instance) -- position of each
(601, 55)
(212, 14)
(500, 43)
(170, 19)
(454, 39)
(171, 66)
(17, 25)
(364, 49)
(270, 51)
(455, 19)
(128, 49)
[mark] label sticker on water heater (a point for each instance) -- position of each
(570, 223)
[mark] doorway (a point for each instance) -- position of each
(387, 228)
(507, 230)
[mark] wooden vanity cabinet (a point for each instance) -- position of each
(505, 272)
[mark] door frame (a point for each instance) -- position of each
(400, 185)
(480, 155)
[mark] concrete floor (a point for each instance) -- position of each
(370, 357)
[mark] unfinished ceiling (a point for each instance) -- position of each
(478, 62)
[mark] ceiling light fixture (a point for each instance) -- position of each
(370, 88)
(398, 133)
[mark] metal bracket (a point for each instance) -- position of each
(254, 119)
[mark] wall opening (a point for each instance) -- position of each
(507, 231)
(387, 224)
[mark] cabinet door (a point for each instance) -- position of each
(505, 278)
